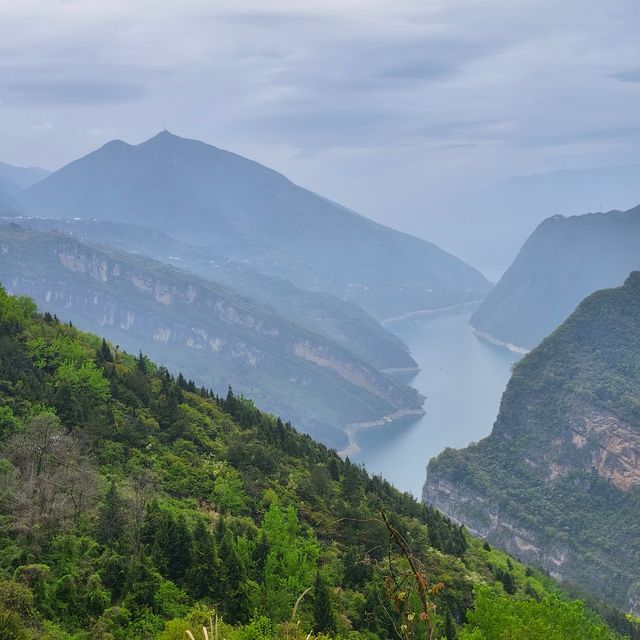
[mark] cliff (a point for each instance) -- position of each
(194, 324)
(557, 483)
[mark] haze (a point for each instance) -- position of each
(388, 107)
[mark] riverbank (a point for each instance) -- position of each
(500, 343)
(427, 312)
(355, 427)
(463, 378)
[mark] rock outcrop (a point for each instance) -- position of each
(557, 483)
(209, 332)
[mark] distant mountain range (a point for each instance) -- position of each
(240, 209)
(488, 227)
(13, 180)
(18, 178)
(320, 275)
(563, 261)
(557, 483)
(199, 326)
(337, 320)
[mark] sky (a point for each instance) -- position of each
(387, 106)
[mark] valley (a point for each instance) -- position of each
(462, 377)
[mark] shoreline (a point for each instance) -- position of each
(427, 312)
(352, 429)
(487, 337)
(393, 370)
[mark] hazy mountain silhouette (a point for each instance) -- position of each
(18, 178)
(204, 195)
(488, 227)
(563, 261)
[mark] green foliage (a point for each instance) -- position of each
(500, 618)
(552, 465)
(134, 505)
(324, 620)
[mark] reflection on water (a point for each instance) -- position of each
(463, 379)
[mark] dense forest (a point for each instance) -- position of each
(134, 505)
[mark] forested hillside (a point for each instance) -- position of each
(135, 505)
(557, 482)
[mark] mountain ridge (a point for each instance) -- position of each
(196, 324)
(203, 195)
(563, 261)
(557, 483)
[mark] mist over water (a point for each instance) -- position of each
(463, 378)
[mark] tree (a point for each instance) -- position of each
(499, 616)
(291, 561)
(54, 479)
(205, 568)
(111, 518)
(233, 593)
(324, 620)
(172, 546)
(104, 353)
(450, 631)
(141, 363)
(80, 392)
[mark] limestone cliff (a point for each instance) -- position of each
(557, 483)
(210, 332)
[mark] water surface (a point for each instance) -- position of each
(463, 378)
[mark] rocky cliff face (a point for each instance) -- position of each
(209, 332)
(338, 321)
(557, 483)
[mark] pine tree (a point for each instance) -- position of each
(104, 353)
(141, 363)
(450, 631)
(112, 518)
(204, 562)
(324, 619)
(233, 582)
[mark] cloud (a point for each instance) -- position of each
(632, 75)
(372, 102)
(83, 92)
(43, 126)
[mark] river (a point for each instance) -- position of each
(463, 378)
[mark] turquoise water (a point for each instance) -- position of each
(463, 378)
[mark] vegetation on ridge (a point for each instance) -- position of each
(134, 505)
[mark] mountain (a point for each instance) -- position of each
(487, 227)
(557, 483)
(199, 326)
(135, 505)
(338, 320)
(9, 206)
(21, 177)
(563, 261)
(203, 195)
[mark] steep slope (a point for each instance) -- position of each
(245, 211)
(488, 227)
(563, 261)
(340, 321)
(136, 506)
(191, 323)
(557, 482)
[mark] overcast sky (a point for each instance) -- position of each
(386, 106)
